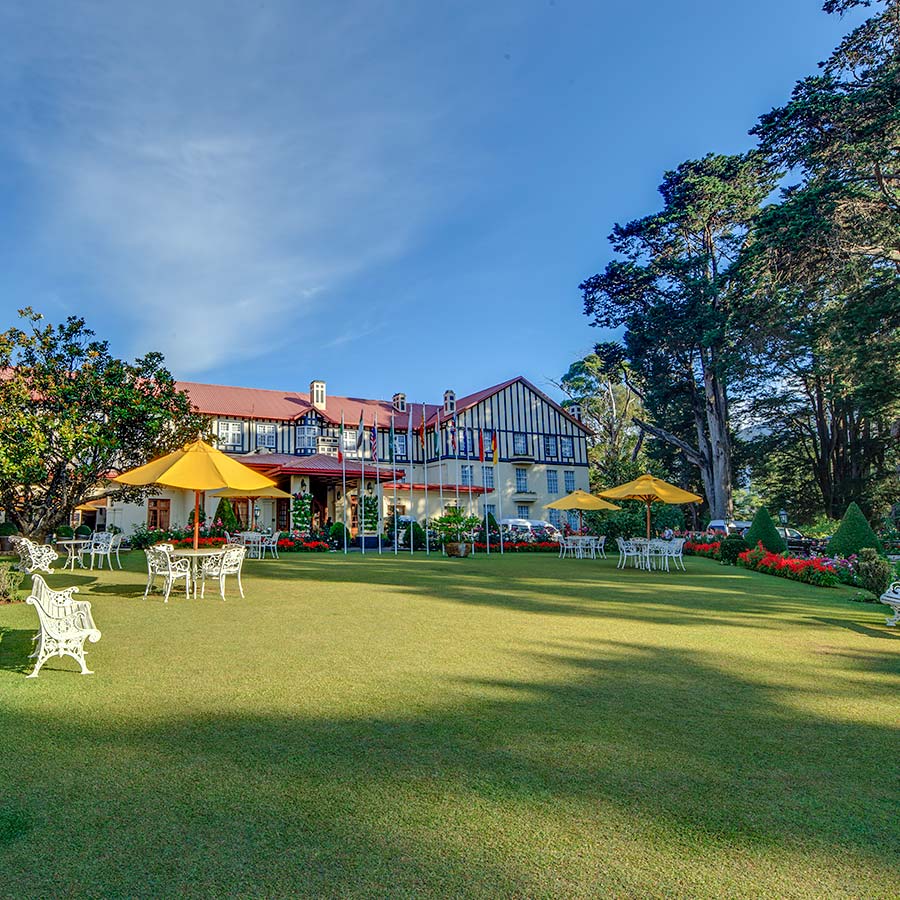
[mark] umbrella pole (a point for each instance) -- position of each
(648, 520)
(196, 519)
(581, 521)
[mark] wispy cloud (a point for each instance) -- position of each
(214, 170)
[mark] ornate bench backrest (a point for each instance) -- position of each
(60, 616)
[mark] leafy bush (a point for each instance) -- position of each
(10, 582)
(336, 534)
(225, 514)
(853, 534)
(763, 531)
(7, 529)
(83, 531)
(65, 532)
(631, 520)
(454, 525)
(821, 527)
(731, 548)
(418, 535)
(301, 511)
(875, 571)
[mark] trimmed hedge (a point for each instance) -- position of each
(763, 531)
(731, 548)
(853, 534)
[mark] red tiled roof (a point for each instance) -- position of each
(317, 464)
(225, 400)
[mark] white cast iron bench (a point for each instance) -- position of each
(891, 597)
(65, 624)
(34, 557)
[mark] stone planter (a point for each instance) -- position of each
(459, 549)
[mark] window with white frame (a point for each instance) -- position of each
(350, 442)
(550, 446)
(553, 517)
(570, 481)
(466, 475)
(266, 435)
(307, 437)
(567, 446)
(520, 443)
(523, 511)
(490, 509)
(552, 481)
(230, 434)
(574, 519)
(521, 480)
(400, 449)
(487, 474)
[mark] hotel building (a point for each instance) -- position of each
(293, 439)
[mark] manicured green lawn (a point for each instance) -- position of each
(524, 726)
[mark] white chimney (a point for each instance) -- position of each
(449, 403)
(574, 410)
(399, 401)
(317, 394)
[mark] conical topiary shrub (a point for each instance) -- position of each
(853, 534)
(763, 530)
(225, 513)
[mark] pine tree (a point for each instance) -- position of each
(225, 512)
(763, 530)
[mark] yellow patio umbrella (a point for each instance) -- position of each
(198, 468)
(651, 490)
(580, 500)
(272, 492)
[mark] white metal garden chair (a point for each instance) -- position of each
(628, 550)
(160, 563)
(100, 547)
(228, 562)
(65, 624)
(676, 552)
(33, 557)
(270, 543)
(114, 547)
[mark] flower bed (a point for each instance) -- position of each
(710, 550)
(189, 542)
(296, 545)
(519, 547)
(810, 571)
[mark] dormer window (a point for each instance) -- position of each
(449, 403)
(399, 402)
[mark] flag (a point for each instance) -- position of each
(494, 447)
(463, 441)
(481, 444)
(360, 435)
(409, 436)
(422, 430)
(451, 432)
(341, 440)
(437, 436)
(373, 440)
(391, 441)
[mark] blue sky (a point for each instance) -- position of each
(387, 195)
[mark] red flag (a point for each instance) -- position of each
(481, 444)
(422, 429)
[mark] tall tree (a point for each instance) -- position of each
(673, 292)
(70, 412)
(822, 267)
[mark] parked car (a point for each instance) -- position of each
(544, 531)
(797, 543)
(730, 527)
(516, 529)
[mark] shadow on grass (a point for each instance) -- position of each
(526, 583)
(16, 645)
(685, 755)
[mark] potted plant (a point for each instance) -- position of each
(455, 530)
(7, 529)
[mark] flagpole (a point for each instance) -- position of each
(487, 527)
(438, 443)
(393, 459)
(378, 496)
(409, 454)
(495, 458)
(424, 443)
(343, 480)
(456, 454)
